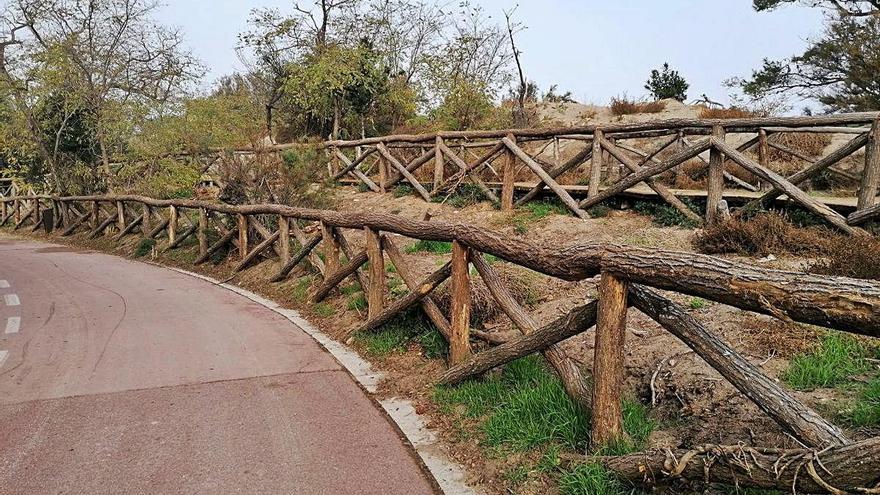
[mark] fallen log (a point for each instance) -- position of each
(100, 228)
(792, 415)
(178, 240)
(852, 468)
(130, 227)
(256, 251)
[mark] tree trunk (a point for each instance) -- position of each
(608, 363)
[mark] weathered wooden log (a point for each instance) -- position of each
(459, 342)
(793, 416)
(659, 188)
(862, 216)
(243, 234)
(608, 362)
(790, 189)
(571, 163)
(256, 252)
(100, 228)
(715, 181)
(130, 227)
(203, 231)
(412, 166)
(509, 178)
(852, 468)
(301, 238)
(871, 174)
(350, 164)
(178, 240)
(404, 172)
(304, 251)
(158, 228)
(23, 218)
(727, 175)
(472, 168)
(283, 239)
(349, 253)
(376, 291)
(439, 165)
(463, 167)
(634, 178)
(835, 302)
(385, 315)
(337, 277)
(217, 246)
(566, 368)
(330, 243)
(596, 164)
(409, 278)
(808, 173)
(577, 321)
(76, 223)
(545, 178)
(172, 225)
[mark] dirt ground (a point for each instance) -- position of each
(690, 401)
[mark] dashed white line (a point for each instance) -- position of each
(11, 299)
(13, 323)
(4, 284)
(3, 356)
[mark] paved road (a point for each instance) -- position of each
(121, 377)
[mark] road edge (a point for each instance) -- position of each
(449, 476)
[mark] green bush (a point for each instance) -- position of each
(144, 247)
(665, 215)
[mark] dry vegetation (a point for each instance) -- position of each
(621, 105)
(726, 113)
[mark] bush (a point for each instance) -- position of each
(144, 247)
(726, 113)
(667, 83)
(623, 106)
(666, 215)
(855, 257)
(766, 233)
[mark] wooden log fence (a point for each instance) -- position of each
(628, 277)
(602, 149)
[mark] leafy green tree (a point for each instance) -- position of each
(667, 83)
(840, 70)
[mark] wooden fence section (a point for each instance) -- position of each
(628, 277)
(611, 163)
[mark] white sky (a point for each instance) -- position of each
(595, 48)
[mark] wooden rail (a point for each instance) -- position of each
(629, 276)
(611, 165)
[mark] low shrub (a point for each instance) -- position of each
(726, 113)
(621, 105)
(850, 256)
(666, 215)
(144, 247)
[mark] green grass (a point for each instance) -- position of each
(434, 247)
(525, 406)
(464, 195)
(402, 190)
(357, 302)
(590, 479)
(866, 410)
(537, 210)
(144, 247)
(301, 288)
(698, 303)
(324, 310)
(838, 358)
(665, 215)
(396, 335)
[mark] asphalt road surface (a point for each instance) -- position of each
(122, 377)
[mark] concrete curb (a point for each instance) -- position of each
(449, 475)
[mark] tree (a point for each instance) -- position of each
(846, 8)
(841, 69)
(667, 83)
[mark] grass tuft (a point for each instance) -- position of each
(144, 247)
(665, 215)
(622, 105)
(435, 247)
(324, 310)
(836, 360)
(396, 335)
(866, 411)
(590, 479)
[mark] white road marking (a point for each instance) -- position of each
(13, 323)
(11, 299)
(3, 356)
(4, 284)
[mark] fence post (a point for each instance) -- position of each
(459, 342)
(172, 224)
(376, 291)
(284, 239)
(120, 215)
(202, 233)
(96, 211)
(242, 235)
(16, 210)
(608, 369)
(509, 178)
(148, 220)
(596, 164)
(715, 192)
(763, 155)
(383, 173)
(331, 250)
(439, 164)
(871, 175)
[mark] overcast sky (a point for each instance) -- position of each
(595, 48)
